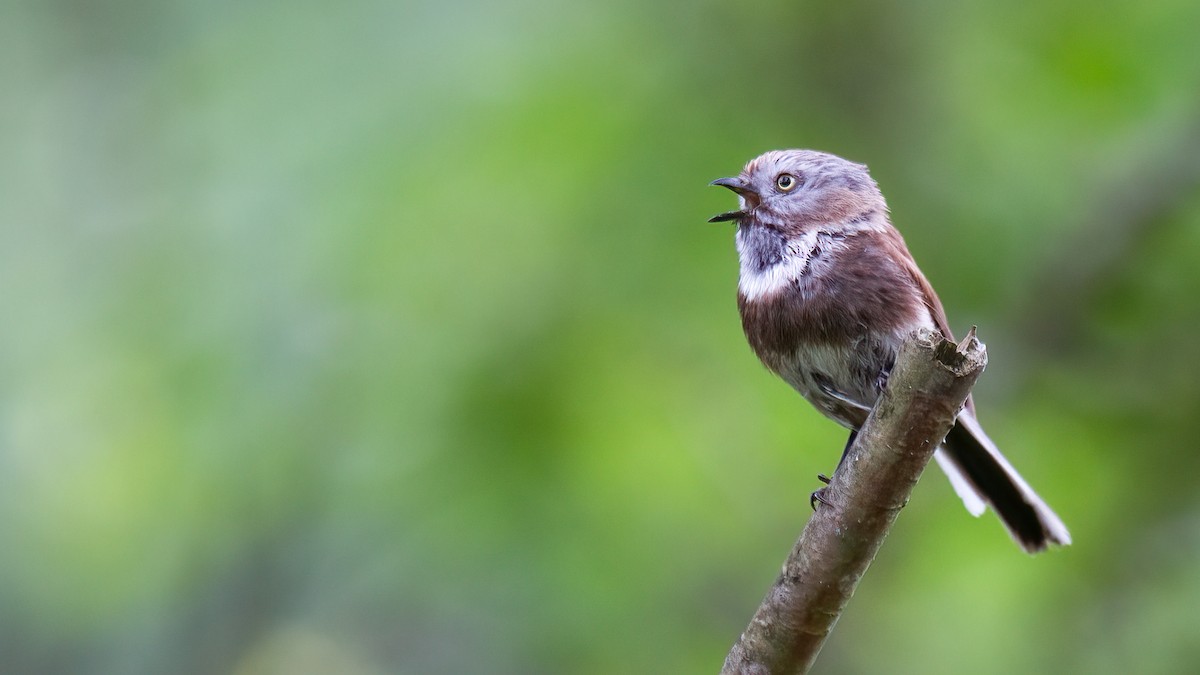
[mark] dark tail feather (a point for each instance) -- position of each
(980, 474)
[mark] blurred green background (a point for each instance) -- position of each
(380, 337)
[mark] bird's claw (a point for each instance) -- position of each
(818, 496)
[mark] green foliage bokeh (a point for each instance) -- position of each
(390, 338)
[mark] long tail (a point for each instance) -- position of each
(981, 476)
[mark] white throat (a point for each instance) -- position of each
(795, 260)
(757, 282)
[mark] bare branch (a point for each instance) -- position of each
(927, 387)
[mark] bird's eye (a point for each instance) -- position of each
(786, 182)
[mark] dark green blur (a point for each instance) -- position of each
(377, 337)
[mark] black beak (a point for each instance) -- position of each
(743, 190)
(734, 184)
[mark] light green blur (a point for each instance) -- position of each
(377, 337)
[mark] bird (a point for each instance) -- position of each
(828, 291)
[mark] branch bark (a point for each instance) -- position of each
(927, 387)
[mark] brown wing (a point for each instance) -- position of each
(929, 296)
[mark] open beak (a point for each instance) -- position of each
(742, 190)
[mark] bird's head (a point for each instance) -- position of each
(796, 190)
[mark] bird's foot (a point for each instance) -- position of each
(818, 496)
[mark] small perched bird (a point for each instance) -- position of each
(828, 291)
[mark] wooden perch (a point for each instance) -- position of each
(927, 387)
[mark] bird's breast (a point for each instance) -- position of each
(826, 310)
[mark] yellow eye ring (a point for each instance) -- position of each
(786, 182)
